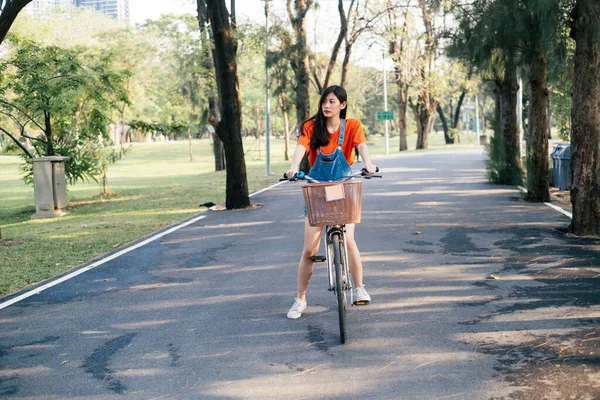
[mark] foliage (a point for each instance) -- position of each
(84, 163)
(177, 83)
(560, 82)
(109, 156)
(61, 100)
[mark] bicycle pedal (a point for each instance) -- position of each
(318, 258)
(360, 303)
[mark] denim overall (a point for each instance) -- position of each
(333, 166)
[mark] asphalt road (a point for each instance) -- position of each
(200, 312)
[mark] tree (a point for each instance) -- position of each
(300, 64)
(230, 125)
(540, 33)
(360, 19)
(585, 136)
(336, 48)
(9, 9)
(459, 83)
(213, 104)
(61, 100)
(282, 82)
(486, 37)
(401, 51)
(426, 102)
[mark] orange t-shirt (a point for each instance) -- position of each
(353, 136)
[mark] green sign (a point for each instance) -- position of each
(383, 115)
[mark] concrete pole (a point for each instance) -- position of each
(267, 105)
(520, 112)
(477, 119)
(387, 136)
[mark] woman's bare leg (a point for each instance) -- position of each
(356, 267)
(312, 237)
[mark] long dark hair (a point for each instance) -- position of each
(320, 136)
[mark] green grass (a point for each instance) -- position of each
(154, 186)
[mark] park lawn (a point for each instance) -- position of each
(155, 186)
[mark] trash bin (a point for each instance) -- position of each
(564, 163)
(555, 166)
(49, 186)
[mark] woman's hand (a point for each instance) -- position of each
(371, 168)
(291, 172)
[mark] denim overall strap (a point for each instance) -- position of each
(342, 129)
(331, 167)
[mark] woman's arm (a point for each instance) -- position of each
(363, 150)
(296, 159)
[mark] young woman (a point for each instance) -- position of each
(329, 134)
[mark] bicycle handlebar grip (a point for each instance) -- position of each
(365, 172)
(298, 175)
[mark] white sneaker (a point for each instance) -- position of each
(361, 296)
(296, 310)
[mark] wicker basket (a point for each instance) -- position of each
(333, 203)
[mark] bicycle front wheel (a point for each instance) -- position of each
(339, 255)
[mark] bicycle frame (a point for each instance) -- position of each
(340, 230)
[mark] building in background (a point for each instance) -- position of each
(118, 9)
(39, 7)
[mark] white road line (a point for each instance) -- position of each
(557, 208)
(568, 214)
(97, 263)
(267, 188)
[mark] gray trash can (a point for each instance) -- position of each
(564, 163)
(555, 165)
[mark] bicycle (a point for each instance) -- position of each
(333, 205)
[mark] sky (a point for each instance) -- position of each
(140, 10)
(320, 35)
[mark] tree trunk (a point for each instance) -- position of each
(482, 116)
(423, 118)
(213, 108)
(345, 63)
(508, 122)
(218, 148)
(449, 139)
(286, 136)
(549, 112)
(585, 117)
(336, 47)
(538, 174)
(402, 108)
(48, 133)
(257, 121)
(302, 71)
(9, 13)
(456, 115)
(230, 126)
(190, 144)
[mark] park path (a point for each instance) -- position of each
(200, 312)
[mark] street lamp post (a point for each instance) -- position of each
(477, 120)
(267, 105)
(387, 141)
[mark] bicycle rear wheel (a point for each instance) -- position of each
(338, 256)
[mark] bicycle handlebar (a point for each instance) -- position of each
(302, 176)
